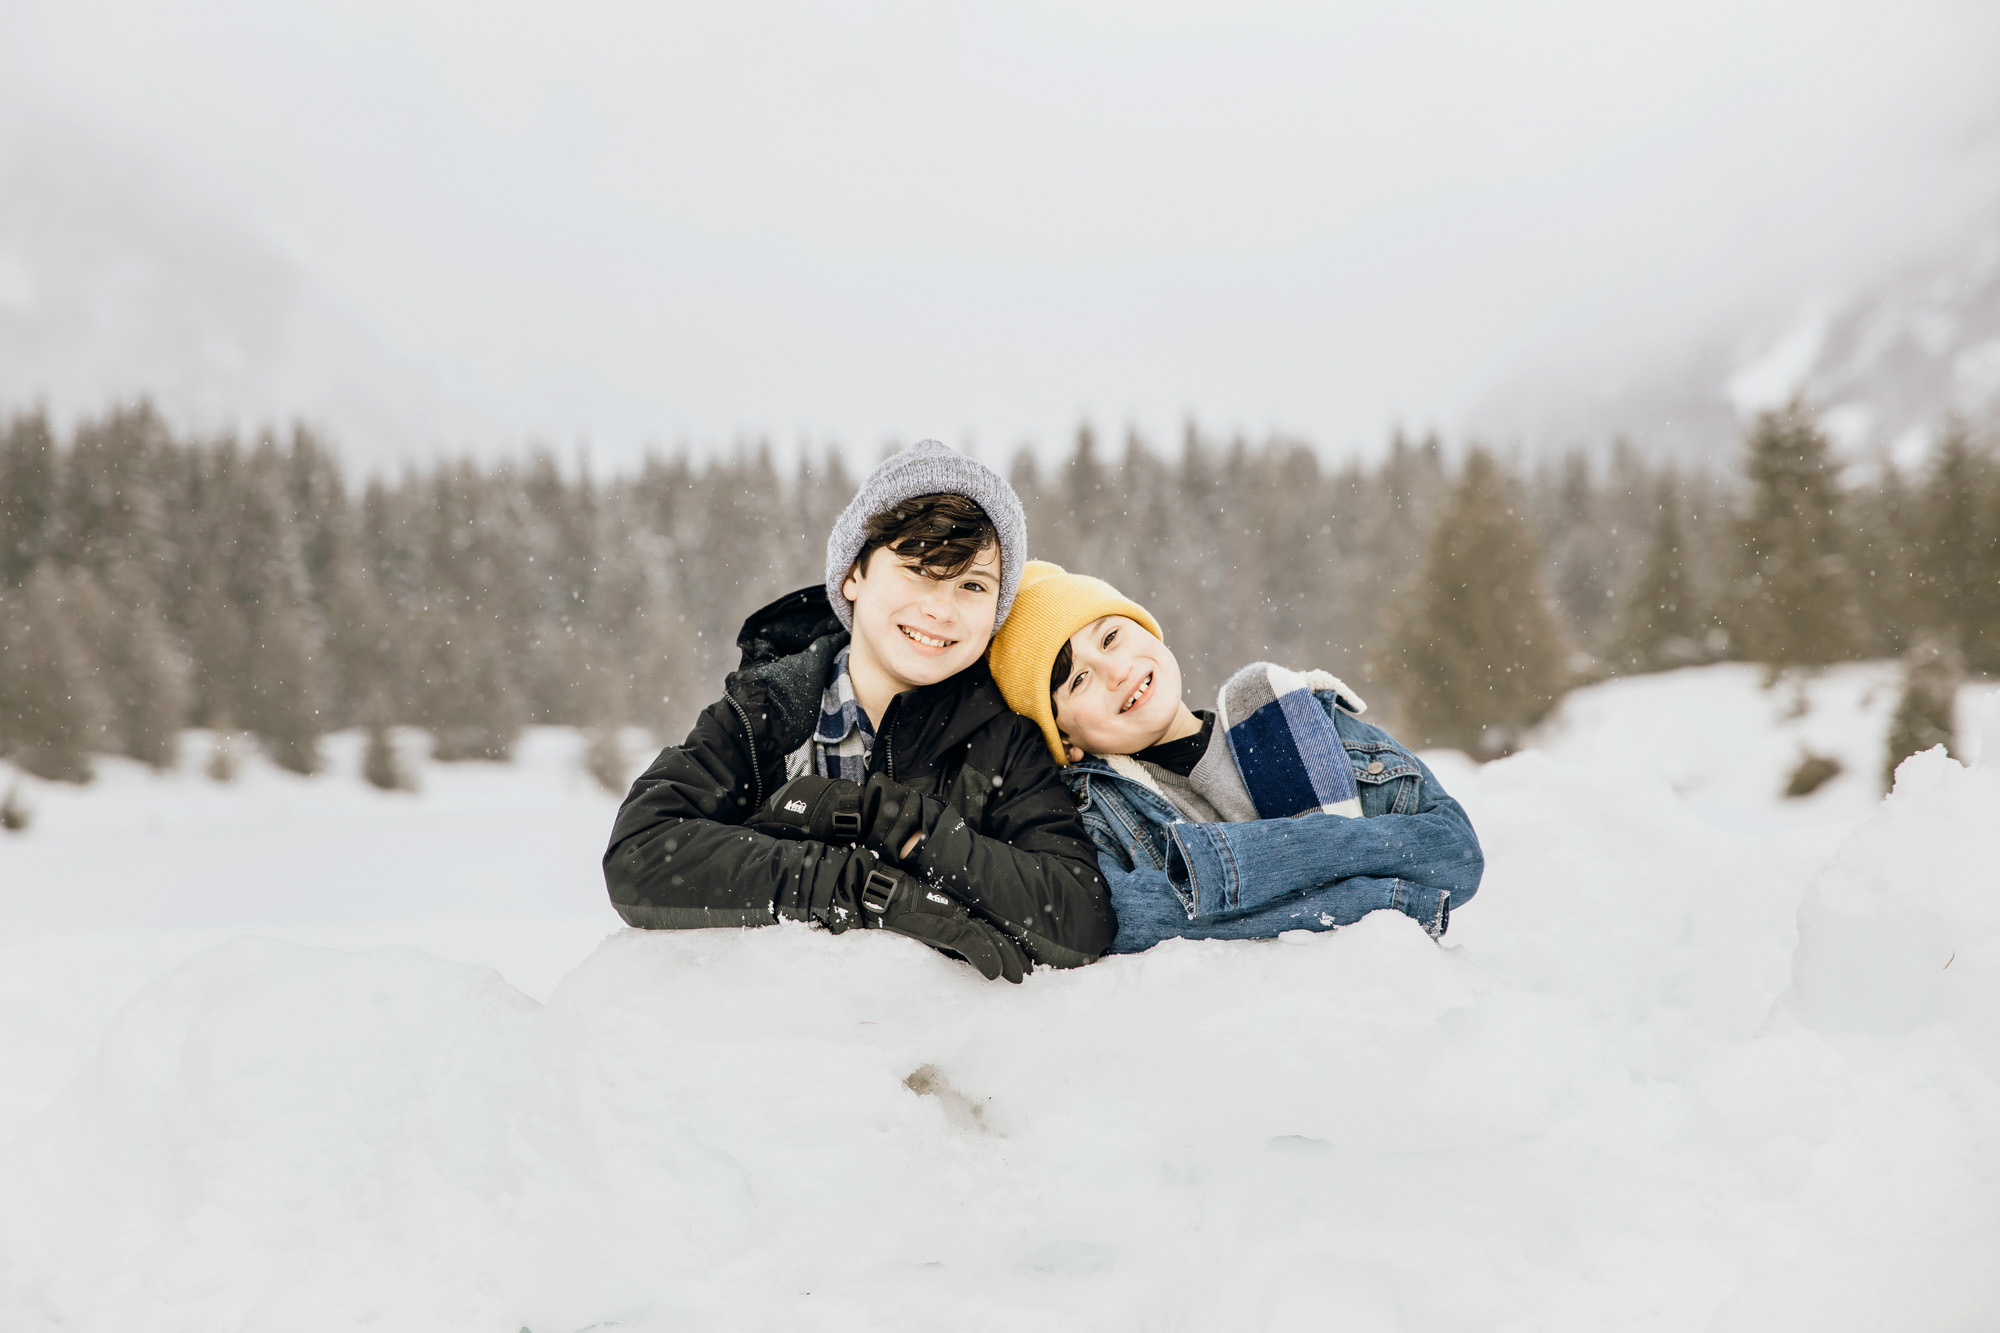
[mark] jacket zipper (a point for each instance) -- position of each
(890, 716)
(756, 772)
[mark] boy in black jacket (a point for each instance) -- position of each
(861, 768)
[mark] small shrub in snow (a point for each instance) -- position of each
(1924, 714)
(294, 751)
(222, 758)
(14, 816)
(381, 765)
(456, 745)
(1813, 772)
(604, 758)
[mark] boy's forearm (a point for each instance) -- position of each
(1149, 910)
(691, 873)
(1237, 867)
(678, 858)
(1055, 901)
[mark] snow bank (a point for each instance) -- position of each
(1659, 1078)
(1873, 1088)
(1727, 742)
(115, 883)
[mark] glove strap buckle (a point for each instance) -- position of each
(847, 824)
(878, 891)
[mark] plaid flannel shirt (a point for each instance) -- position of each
(844, 738)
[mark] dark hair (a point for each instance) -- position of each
(941, 534)
(1059, 672)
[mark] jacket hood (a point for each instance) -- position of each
(789, 625)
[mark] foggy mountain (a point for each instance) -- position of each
(1884, 365)
(115, 281)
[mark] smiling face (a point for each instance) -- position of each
(911, 628)
(1122, 691)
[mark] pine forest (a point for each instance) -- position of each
(150, 582)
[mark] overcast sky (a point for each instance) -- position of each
(856, 221)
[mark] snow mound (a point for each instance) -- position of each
(1658, 1078)
(1902, 928)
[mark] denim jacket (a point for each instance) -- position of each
(1413, 851)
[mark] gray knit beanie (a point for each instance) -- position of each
(928, 468)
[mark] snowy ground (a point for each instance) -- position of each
(1696, 1058)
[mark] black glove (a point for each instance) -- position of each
(824, 809)
(896, 901)
(841, 888)
(892, 814)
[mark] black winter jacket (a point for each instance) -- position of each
(679, 858)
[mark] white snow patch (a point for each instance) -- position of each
(1975, 375)
(1911, 450)
(1849, 426)
(1771, 377)
(1694, 1058)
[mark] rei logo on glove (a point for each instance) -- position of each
(796, 807)
(939, 898)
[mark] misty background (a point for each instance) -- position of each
(457, 228)
(465, 368)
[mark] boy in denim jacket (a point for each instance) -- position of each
(1281, 810)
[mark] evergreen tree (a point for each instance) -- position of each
(364, 650)
(467, 696)
(142, 670)
(92, 623)
(28, 481)
(1960, 564)
(1480, 654)
(111, 498)
(1402, 501)
(219, 634)
(285, 689)
(1795, 596)
(1926, 714)
(1579, 541)
(1663, 624)
(284, 680)
(603, 708)
(1885, 533)
(49, 704)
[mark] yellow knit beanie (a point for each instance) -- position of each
(1051, 605)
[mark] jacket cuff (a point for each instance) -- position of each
(1200, 866)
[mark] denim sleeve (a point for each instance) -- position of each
(1149, 908)
(1222, 868)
